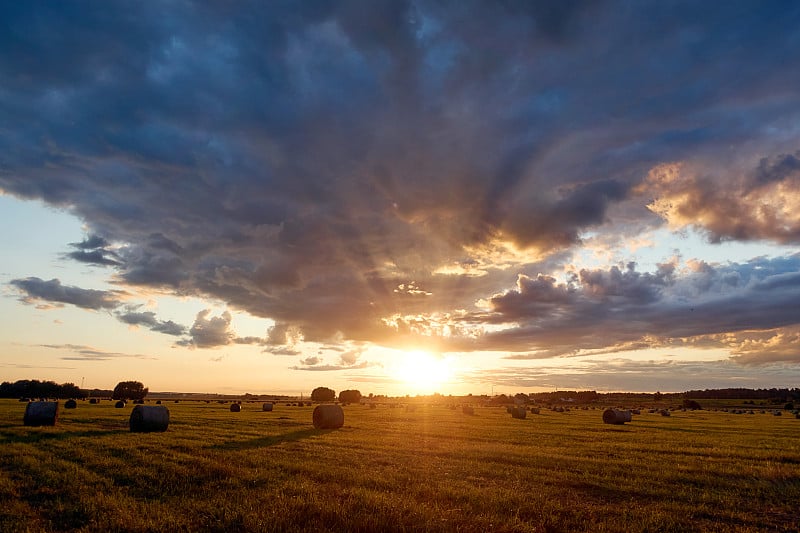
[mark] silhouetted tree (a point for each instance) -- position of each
(129, 390)
(323, 394)
(348, 396)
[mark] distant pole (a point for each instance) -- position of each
(82, 381)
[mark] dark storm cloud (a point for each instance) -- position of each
(302, 161)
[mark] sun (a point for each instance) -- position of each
(423, 372)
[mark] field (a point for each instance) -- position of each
(393, 469)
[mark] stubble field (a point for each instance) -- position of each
(393, 469)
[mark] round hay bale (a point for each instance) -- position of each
(519, 412)
(138, 402)
(615, 416)
(158, 402)
(534, 410)
(41, 414)
(70, 404)
(149, 418)
(468, 410)
(328, 416)
(266, 407)
(94, 400)
(665, 412)
(120, 404)
(235, 408)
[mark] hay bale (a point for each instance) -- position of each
(328, 416)
(94, 400)
(468, 410)
(266, 407)
(158, 402)
(534, 410)
(70, 404)
(41, 414)
(519, 412)
(120, 404)
(235, 408)
(616, 416)
(665, 412)
(149, 418)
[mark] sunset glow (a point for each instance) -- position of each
(422, 373)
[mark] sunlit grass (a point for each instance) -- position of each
(389, 469)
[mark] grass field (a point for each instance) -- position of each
(389, 469)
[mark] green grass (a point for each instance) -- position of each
(392, 470)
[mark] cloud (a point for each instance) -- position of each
(88, 353)
(349, 359)
(38, 290)
(149, 320)
(210, 332)
(410, 172)
(762, 204)
(53, 291)
(621, 374)
(619, 310)
(93, 250)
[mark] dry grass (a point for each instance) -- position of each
(434, 469)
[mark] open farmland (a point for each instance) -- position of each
(391, 469)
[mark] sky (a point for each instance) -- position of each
(400, 197)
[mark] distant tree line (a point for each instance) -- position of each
(558, 396)
(32, 388)
(745, 394)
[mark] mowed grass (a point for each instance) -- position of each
(389, 469)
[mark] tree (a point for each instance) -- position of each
(323, 394)
(349, 396)
(691, 404)
(129, 390)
